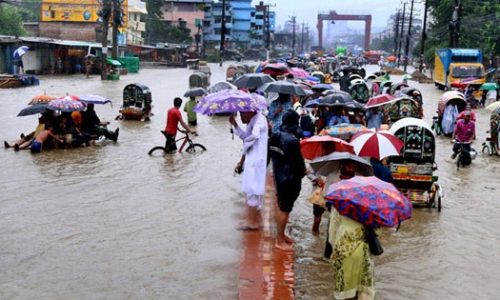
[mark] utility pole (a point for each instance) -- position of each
(401, 34)
(408, 36)
(454, 25)
(222, 32)
(293, 36)
(116, 22)
(105, 14)
(396, 32)
(424, 37)
(302, 37)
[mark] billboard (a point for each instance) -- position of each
(74, 11)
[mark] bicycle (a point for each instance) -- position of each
(465, 154)
(191, 148)
(490, 146)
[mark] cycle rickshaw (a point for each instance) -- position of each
(453, 100)
(413, 170)
(136, 103)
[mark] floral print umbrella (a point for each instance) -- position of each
(230, 101)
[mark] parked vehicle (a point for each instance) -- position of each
(199, 79)
(455, 65)
(413, 170)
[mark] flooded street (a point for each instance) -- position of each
(111, 222)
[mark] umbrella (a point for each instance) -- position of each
(321, 145)
(379, 100)
(313, 103)
(93, 99)
(253, 81)
(34, 109)
(275, 69)
(66, 104)
(331, 163)
(376, 144)
(195, 92)
(230, 101)
(20, 52)
(355, 105)
(489, 86)
(299, 73)
(285, 87)
(322, 87)
(370, 201)
(338, 98)
(344, 131)
(41, 99)
(313, 78)
(493, 106)
(222, 85)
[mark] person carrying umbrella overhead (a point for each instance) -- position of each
(253, 163)
(288, 169)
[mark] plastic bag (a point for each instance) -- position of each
(449, 116)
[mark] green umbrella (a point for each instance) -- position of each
(489, 86)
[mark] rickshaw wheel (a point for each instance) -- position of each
(486, 147)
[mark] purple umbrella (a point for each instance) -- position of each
(66, 104)
(230, 101)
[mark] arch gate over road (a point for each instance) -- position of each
(333, 16)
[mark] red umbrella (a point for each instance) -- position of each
(379, 100)
(275, 69)
(321, 145)
(376, 144)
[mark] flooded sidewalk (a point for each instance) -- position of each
(265, 272)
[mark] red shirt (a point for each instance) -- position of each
(464, 132)
(173, 118)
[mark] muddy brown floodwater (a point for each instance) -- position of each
(110, 222)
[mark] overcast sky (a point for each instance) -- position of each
(307, 10)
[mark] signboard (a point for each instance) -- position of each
(75, 11)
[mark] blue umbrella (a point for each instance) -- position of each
(94, 99)
(322, 87)
(20, 52)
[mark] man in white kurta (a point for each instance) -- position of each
(254, 139)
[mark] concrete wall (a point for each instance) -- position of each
(69, 31)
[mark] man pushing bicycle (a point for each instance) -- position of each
(174, 117)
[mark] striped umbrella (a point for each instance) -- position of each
(20, 52)
(376, 144)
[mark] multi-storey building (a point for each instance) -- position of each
(136, 26)
(189, 12)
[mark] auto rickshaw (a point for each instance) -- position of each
(359, 90)
(136, 103)
(193, 64)
(199, 79)
(413, 170)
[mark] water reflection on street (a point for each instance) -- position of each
(108, 221)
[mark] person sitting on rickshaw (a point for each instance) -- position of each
(92, 125)
(464, 133)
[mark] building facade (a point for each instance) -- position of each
(189, 12)
(246, 26)
(136, 25)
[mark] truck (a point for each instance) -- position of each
(458, 65)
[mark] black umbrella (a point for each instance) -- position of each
(195, 92)
(355, 105)
(331, 163)
(252, 81)
(33, 110)
(285, 87)
(338, 98)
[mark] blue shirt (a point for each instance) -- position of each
(277, 118)
(381, 172)
(374, 120)
(335, 120)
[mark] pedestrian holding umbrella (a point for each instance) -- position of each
(376, 144)
(195, 92)
(370, 201)
(331, 163)
(321, 145)
(285, 87)
(230, 101)
(336, 99)
(17, 56)
(253, 80)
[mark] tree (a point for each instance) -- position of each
(10, 21)
(478, 25)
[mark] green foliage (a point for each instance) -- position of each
(384, 43)
(30, 10)
(10, 21)
(478, 27)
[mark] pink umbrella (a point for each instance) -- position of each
(299, 73)
(376, 144)
(379, 100)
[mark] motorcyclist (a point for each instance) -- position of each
(464, 133)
